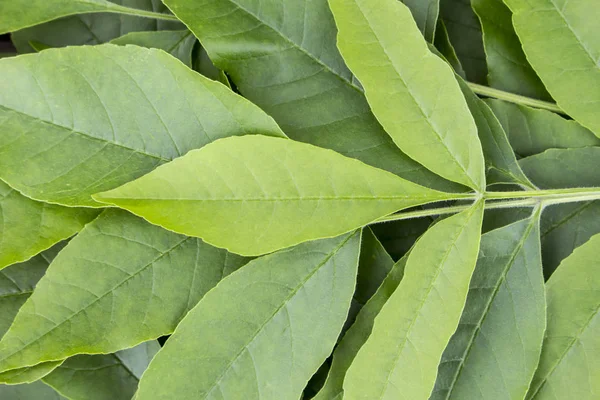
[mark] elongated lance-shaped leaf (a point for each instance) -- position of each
(263, 331)
(117, 112)
(95, 28)
(465, 35)
(357, 335)
(36, 390)
(179, 44)
(497, 345)
(275, 192)
(501, 163)
(561, 39)
(19, 14)
(104, 376)
(444, 46)
(120, 282)
(569, 366)
(400, 358)
(419, 104)
(508, 68)
(29, 227)
(294, 69)
(532, 131)
(425, 13)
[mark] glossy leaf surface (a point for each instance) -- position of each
(264, 330)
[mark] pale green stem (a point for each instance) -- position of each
(141, 13)
(514, 98)
(528, 198)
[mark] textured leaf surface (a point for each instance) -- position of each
(496, 348)
(120, 282)
(28, 227)
(357, 335)
(72, 107)
(19, 14)
(177, 43)
(565, 226)
(508, 68)
(416, 323)
(419, 104)
(275, 192)
(263, 331)
(102, 377)
(282, 56)
(561, 39)
(500, 160)
(425, 13)
(36, 390)
(569, 367)
(93, 28)
(465, 35)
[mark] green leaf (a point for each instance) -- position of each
(533, 131)
(357, 335)
(177, 43)
(102, 377)
(465, 35)
(118, 283)
(19, 14)
(293, 70)
(497, 345)
(117, 111)
(425, 13)
(501, 163)
(443, 45)
(374, 265)
(569, 364)
(26, 375)
(565, 226)
(562, 43)
(419, 104)
(508, 68)
(263, 331)
(33, 391)
(399, 236)
(276, 192)
(28, 227)
(400, 358)
(97, 28)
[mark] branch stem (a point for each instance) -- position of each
(514, 98)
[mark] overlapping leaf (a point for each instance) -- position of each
(37, 390)
(72, 108)
(177, 43)
(274, 192)
(419, 104)
(263, 331)
(416, 323)
(425, 13)
(120, 282)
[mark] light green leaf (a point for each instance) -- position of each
(293, 70)
(94, 28)
(19, 14)
(79, 102)
(17, 283)
(495, 350)
(400, 358)
(533, 131)
(177, 43)
(508, 68)
(565, 226)
(275, 192)
(102, 377)
(26, 375)
(263, 331)
(561, 39)
(357, 335)
(28, 227)
(569, 367)
(443, 45)
(419, 104)
(33, 391)
(465, 35)
(425, 13)
(118, 283)
(501, 163)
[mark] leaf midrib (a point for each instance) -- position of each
(259, 199)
